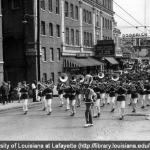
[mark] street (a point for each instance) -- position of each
(36, 125)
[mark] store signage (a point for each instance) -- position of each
(136, 35)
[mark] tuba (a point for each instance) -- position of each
(73, 78)
(80, 78)
(63, 78)
(101, 75)
(88, 79)
(115, 77)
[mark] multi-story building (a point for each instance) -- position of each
(32, 39)
(84, 22)
(38, 32)
(1, 47)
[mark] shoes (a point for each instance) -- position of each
(72, 114)
(112, 110)
(98, 115)
(25, 112)
(121, 118)
(67, 109)
(134, 110)
(143, 107)
(129, 104)
(103, 105)
(49, 113)
(147, 105)
(78, 105)
(95, 116)
(61, 105)
(44, 109)
(88, 125)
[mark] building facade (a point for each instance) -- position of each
(42, 36)
(1, 47)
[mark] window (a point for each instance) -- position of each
(44, 53)
(57, 7)
(72, 36)
(91, 40)
(67, 36)
(43, 4)
(88, 39)
(43, 32)
(84, 38)
(84, 15)
(76, 13)
(50, 5)
(16, 4)
(66, 9)
(58, 30)
(44, 77)
(58, 54)
(71, 11)
(50, 29)
(51, 54)
(77, 37)
(90, 17)
(52, 76)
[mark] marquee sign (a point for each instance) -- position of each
(136, 35)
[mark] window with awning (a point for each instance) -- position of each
(81, 62)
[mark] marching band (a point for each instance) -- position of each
(94, 91)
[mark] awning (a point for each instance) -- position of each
(112, 60)
(81, 62)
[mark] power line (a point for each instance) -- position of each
(129, 23)
(129, 14)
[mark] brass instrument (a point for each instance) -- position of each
(88, 79)
(63, 78)
(101, 75)
(80, 78)
(115, 77)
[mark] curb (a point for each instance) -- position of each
(20, 106)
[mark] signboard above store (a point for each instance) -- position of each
(136, 35)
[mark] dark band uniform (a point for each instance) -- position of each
(121, 94)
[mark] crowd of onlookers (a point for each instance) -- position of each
(9, 93)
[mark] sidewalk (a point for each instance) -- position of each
(16, 105)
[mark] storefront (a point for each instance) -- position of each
(83, 65)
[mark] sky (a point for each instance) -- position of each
(136, 8)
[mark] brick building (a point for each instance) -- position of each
(42, 38)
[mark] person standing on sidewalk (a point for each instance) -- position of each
(25, 96)
(4, 92)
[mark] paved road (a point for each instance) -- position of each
(36, 125)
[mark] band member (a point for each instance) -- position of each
(121, 100)
(97, 102)
(24, 95)
(72, 98)
(134, 97)
(66, 96)
(102, 93)
(34, 88)
(112, 96)
(48, 92)
(60, 87)
(89, 99)
(142, 93)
